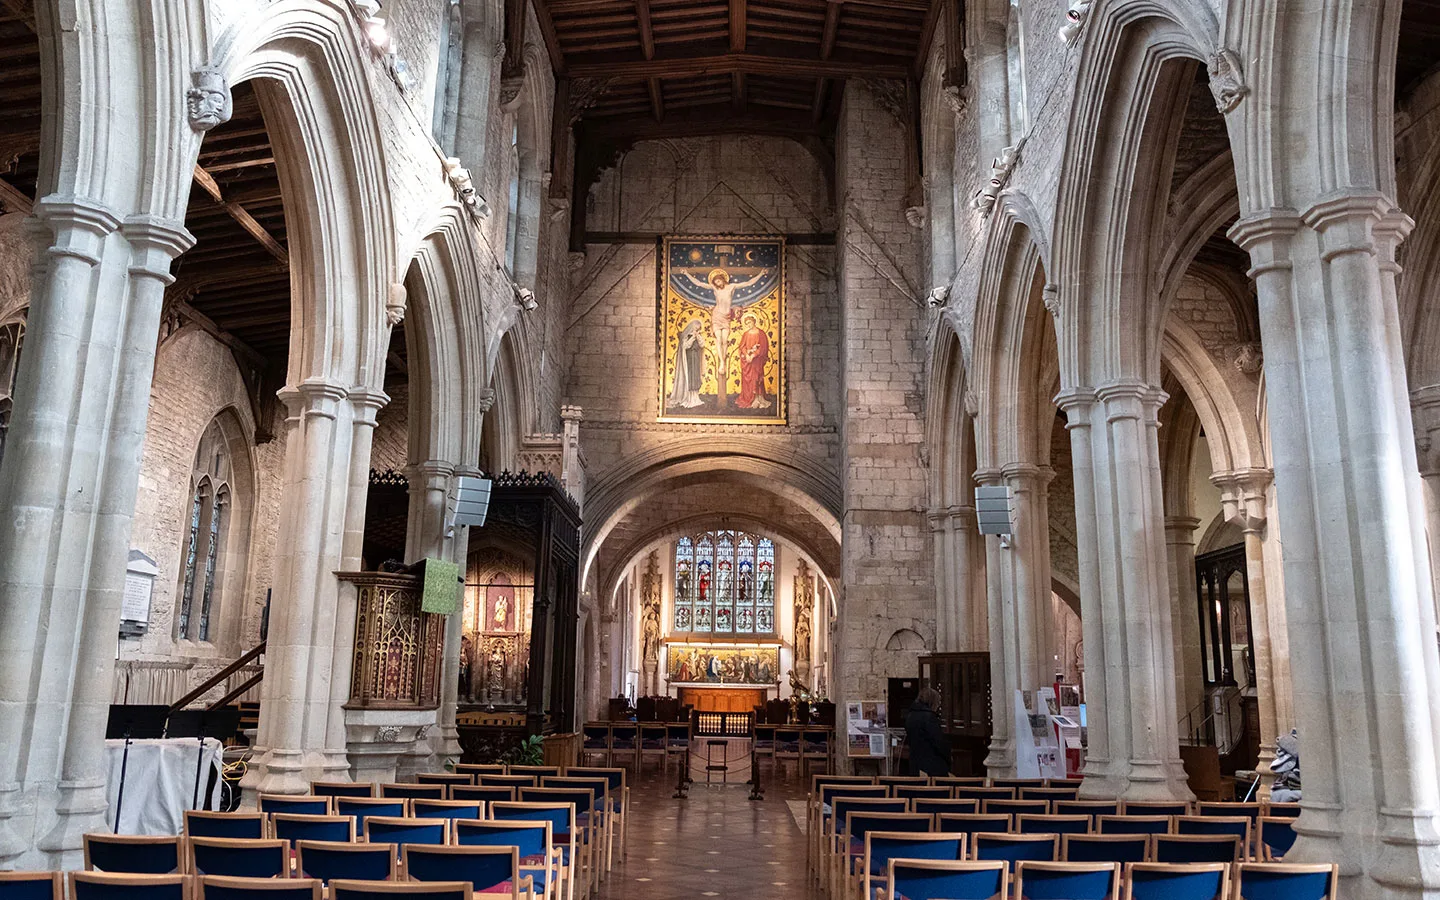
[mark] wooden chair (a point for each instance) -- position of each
(1017, 783)
(304, 804)
(539, 857)
(326, 860)
(595, 742)
(489, 870)
(677, 742)
(411, 791)
(1092, 808)
(480, 769)
(1134, 824)
(267, 858)
(402, 831)
(1051, 824)
(1161, 881)
(364, 807)
(883, 846)
(1154, 808)
(972, 823)
(290, 827)
(625, 743)
(619, 796)
(1068, 880)
(1238, 826)
(347, 889)
(1017, 807)
(225, 887)
(203, 823)
(1116, 848)
(849, 849)
(1290, 880)
(652, 745)
(444, 778)
(342, 788)
(1196, 848)
(937, 806)
(32, 885)
(475, 793)
(118, 886)
(447, 809)
(565, 834)
(1013, 848)
(818, 815)
(926, 879)
(787, 748)
(1275, 836)
(816, 748)
(537, 771)
(134, 854)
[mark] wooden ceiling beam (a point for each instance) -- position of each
(738, 97)
(708, 119)
(14, 200)
(817, 105)
(910, 5)
(242, 217)
(552, 39)
(832, 24)
(737, 26)
(23, 11)
(657, 100)
(927, 37)
(750, 63)
(514, 62)
(647, 34)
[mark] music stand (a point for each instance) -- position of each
(202, 723)
(130, 723)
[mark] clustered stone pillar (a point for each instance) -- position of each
(1185, 617)
(1022, 644)
(71, 475)
(961, 617)
(309, 650)
(1425, 404)
(1124, 593)
(1361, 620)
(1243, 501)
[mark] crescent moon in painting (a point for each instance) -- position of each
(749, 255)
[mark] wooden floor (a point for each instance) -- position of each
(716, 843)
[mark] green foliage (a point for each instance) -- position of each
(530, 752)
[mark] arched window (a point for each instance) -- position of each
(203, 554)
(1015, 73)
(725, 584)
(512, 220)
(12, 337)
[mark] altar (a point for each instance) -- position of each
(723, 699)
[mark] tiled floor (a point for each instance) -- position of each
(716, 844)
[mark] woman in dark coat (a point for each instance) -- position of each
(929, 747)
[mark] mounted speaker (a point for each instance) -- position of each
(469, 500)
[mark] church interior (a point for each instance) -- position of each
(583, 449)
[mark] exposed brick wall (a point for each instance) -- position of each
(887, 615)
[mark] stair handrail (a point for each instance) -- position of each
(237, 692)
(209, 683)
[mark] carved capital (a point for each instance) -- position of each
(395, 305)
(938, 296)
(1242, 497)
(1248, 357)
(1050, 296)
(486, 400)
(1227, 79)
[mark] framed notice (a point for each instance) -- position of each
(866, 724)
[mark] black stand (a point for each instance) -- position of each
(200, 724)
(132, 723)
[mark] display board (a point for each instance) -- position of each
(866, 722)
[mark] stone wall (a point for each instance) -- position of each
(887, 611)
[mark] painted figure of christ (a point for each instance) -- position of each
(724, 289)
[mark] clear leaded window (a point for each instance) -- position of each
(725, 583)
(203, 551)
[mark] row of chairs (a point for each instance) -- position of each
(916, 879)
(552, 848)
(635, 742)
(807, 746)
(109, 886)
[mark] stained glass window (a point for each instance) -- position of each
(203, 558)
(725, 583)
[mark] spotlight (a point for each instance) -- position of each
(379, 33)
(526, 298)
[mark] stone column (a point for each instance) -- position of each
(307, 625)
(1184, 616)
(69, 481)
(1243, 501)
(1361, 620)
(1425, 407)
(1124, 592)
(962, 619)
(1022, 652)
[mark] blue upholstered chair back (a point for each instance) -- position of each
(1014, 848)
(1084, 808)
(917, 883)
(1052, 824)
(481, 794)
(305, 806)
(1277, 834)
(361, 811)
(1259, 882)
(614, 777)
(1133, 825)
(922, 792)
(225, 825)
(1234, 825)
(409, 831)
(385, 890)
(1046, 883)
(1154, 808)
(972, 824)
(148, 856)
(1130, 848)
(259, 889)
(341, 789)
(558, 817)
(327, 860)
(442, 809)
(115, 886)
(1215, 849)
(1179, 883)
(584, 799)
(484, 867)
(411, 791)
(313, 828)
(934, 807)
(29, 886)
(510, 781)
(245, 859)
(887, 846)
(1016, 807)
(842, 808)
(527, 837)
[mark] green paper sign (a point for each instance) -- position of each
(441, 593)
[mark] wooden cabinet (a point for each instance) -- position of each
(963, 680)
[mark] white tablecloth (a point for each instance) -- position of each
(160, 783)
